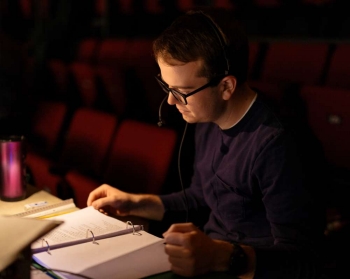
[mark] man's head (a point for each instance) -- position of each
(211, 36)
(202, 63)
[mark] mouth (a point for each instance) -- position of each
(181, 110)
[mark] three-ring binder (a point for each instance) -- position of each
(69, 249)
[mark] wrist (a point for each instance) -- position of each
(148, 206)
(223, 260)
(221, 255)
(238, 261)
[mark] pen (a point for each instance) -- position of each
(57, 213)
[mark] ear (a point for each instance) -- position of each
(229, 87)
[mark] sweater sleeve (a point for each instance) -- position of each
(192, 196)
(189, 199)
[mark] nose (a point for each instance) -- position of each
(172, 100)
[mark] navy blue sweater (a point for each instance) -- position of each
(254, 179)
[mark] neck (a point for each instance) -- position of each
(238, 105)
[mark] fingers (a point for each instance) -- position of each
(109, 200)
(103, 202)
(177, 231)
(175, 251)
(179, 239)
(96, 194)
(183, 247)
(181, 227)
(180, 234)
(190, 251)
(102, 191)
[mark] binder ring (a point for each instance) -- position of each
(133, 227)
(93, 236)
(48, 246)
(131, 224)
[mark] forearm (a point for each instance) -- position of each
(147, 206)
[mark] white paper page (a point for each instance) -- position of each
(124, 256)
(80, 226)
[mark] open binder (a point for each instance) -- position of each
(94, 245)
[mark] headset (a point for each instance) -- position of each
(220, 38)
(161, 122)
(223, 45)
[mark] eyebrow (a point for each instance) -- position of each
(177, 87)
(182, 87)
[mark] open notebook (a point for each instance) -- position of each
(90, 244)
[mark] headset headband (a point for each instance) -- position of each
(220, 39)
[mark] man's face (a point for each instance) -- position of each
(203, 106)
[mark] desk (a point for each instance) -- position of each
(33, 195)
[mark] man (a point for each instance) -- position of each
(265, 220)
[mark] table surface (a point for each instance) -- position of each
(36, 195)
(33, 195)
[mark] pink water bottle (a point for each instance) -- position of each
(12, 173)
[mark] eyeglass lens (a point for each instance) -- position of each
(168, 90)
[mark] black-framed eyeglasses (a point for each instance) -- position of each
(181, 97)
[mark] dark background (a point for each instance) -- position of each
(34, 33)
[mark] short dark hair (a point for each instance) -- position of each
(194, 35)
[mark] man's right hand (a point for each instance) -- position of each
(106, 197)
(110, 200)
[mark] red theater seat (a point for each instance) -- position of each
(138, 161)
(113, 88)
(339, 67)
(46, 126)
(84, 80)
(113, 52)
(59, 72)
(140, 157)
(295, 62)
(329, 117)
(85, 147)
(86, 50)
